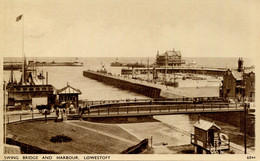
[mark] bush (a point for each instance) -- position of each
(60, 139)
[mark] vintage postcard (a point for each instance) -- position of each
(129, 79)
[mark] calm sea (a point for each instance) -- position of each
(93, 90)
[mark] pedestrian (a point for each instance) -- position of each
(88, 108)
(79, 110)
(31, 108)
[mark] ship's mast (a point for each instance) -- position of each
(166, 59)
(148, 69)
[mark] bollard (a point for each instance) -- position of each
(98, 110)
(20, 117)
(32, 115)
(151, 141)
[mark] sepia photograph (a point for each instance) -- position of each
(129, 79)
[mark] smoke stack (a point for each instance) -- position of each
(240, 65)
(46, 78)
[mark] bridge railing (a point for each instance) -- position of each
(185, 108)
(193, 99)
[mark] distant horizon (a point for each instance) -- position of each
(123, 57)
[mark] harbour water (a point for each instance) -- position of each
(94, 90)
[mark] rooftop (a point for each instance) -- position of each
(205, 125)
(171, 53)
(68, 90)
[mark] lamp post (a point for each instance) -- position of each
(4, 114)
(245, 120)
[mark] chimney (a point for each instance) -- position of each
(240, 65)
(46, 78)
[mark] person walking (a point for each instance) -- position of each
(79, 110)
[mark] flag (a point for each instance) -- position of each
(19, 18)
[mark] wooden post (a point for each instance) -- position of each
(245, 120)
(151, 141)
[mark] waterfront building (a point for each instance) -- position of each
(207, 138)
(69, 95)
(238, 84)
(28, 92)
(172, 57)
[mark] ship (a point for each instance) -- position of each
(116, 64)
(53, 63)
(132, 65)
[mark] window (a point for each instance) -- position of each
(228, 90)
(31, 89)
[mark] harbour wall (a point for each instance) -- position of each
(236, 119)
(124, 84)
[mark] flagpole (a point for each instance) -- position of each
(23, 50)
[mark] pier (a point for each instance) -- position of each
(151, 89)
(122, 83)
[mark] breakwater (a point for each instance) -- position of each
(125, 84)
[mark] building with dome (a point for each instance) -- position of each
(171, 57)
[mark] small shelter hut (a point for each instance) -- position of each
(208, 139)
(69, 95)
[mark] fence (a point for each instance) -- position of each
(29, 117)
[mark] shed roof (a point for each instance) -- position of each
(205, 125)
(69, 90)
(237, 75)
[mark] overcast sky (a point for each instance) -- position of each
(89, 28)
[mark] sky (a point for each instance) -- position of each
(131, 28)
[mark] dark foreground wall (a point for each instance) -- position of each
(124, 84)
(236, 119)
(136, 149)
